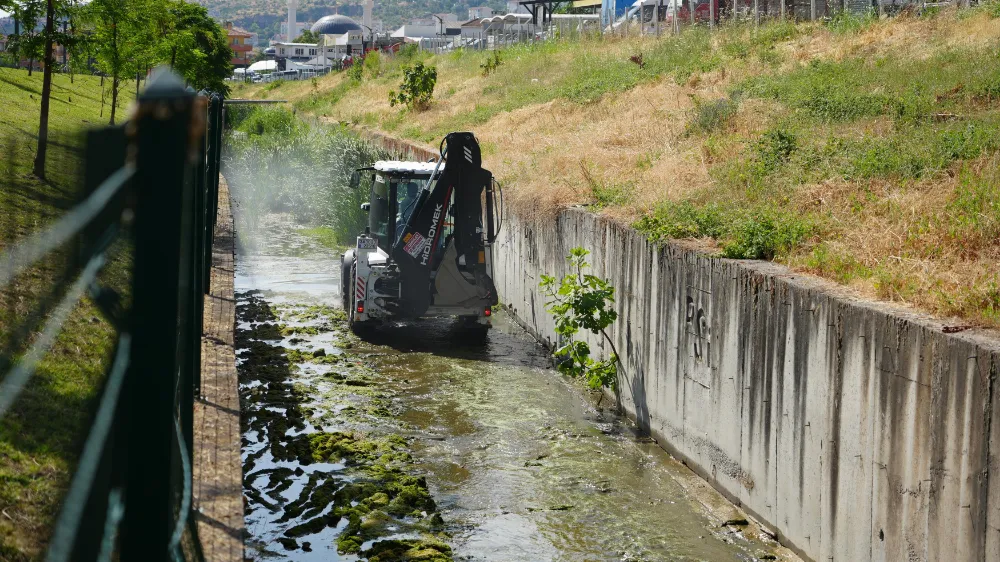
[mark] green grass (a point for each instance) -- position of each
(42, 435)
(743, 232)
(326, 236)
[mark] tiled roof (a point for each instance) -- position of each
(238, 32)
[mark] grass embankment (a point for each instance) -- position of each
(41, 436)
(861, 150)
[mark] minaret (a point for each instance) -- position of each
(292, 4)
(367, 17)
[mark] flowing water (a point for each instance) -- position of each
(523, 464)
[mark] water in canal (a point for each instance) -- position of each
(522, 464)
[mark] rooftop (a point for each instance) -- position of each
(233, 31)
(335, 25)
(396, 166)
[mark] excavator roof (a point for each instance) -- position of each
(397, 167)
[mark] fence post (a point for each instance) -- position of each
(162, 137)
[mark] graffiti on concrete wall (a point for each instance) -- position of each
(697, 326)
(698, 341)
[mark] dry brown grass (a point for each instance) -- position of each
(906, 239)
(631, 151)
(917, 38)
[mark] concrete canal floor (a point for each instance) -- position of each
(419, 445)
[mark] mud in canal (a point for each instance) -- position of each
(420, 445)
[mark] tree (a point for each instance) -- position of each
(308, 37)
(417, 88)
(195, 45)
(123, 39)
(43, 118)
(38, 44)
(52, 34)
(27, 43)
(582, 301)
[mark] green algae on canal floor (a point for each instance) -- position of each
(314, 477)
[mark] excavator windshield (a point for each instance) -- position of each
(393, 200)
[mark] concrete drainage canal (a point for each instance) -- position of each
(419, 445)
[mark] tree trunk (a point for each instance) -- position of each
(31, 66)
(117, 69)
(43, 120)
(115, 83)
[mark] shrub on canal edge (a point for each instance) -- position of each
(582, 301)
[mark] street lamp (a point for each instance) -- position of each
(441, 29)
(370, 34)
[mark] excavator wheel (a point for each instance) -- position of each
(346, 268)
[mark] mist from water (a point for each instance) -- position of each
(277, 163)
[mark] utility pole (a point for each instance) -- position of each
(656, 16)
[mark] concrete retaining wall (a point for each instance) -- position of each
(855, 430)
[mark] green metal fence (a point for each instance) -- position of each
(152, 183)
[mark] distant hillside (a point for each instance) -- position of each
(266, 16)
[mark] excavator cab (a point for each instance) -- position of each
(427, 247)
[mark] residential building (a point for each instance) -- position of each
(240, 43)
(295, 52)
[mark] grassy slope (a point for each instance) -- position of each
(41, 437)
(861, 150)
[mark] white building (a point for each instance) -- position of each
(296, 52)
(480, 12)
(328, 52)
(430, 36)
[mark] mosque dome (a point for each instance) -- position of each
(335, 25)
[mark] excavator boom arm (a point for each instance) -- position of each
(458, 193)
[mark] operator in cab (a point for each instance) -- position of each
(407, 201)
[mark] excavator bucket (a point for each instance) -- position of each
(456, 196)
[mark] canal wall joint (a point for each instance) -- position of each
(217, 478)
(856, 430)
